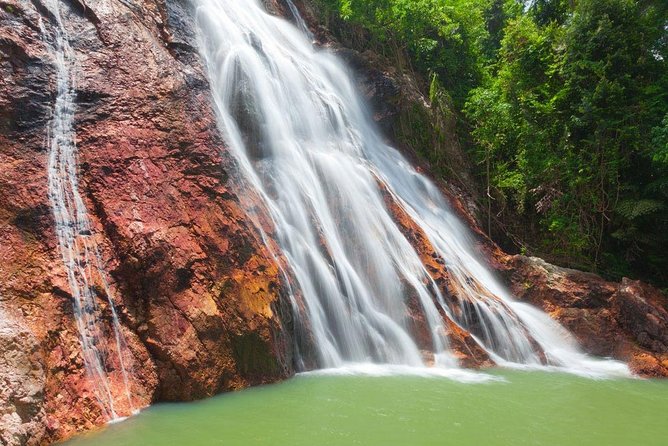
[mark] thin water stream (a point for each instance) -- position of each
(102, 343)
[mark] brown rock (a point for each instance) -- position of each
(642, 311)
(626, 320)
(198, 295)
(21, 386)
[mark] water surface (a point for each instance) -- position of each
(519, 408)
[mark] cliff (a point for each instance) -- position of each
(198, 294)
(201, 299)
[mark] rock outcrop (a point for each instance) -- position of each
(21, 386)
(627, 320)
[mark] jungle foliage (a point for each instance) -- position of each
(564, 106)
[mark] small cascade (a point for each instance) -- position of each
(103, 347)
(301, 24)
(341, 199)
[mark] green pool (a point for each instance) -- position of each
(515, 408)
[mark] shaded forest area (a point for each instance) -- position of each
(562, 107)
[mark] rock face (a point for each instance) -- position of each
(199, 297)
(627, 320)
(22, 385)
(198, 294)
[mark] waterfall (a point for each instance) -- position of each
(76, 240)
(301, 24)
(336, 192)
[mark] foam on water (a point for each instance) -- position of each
(384, 370)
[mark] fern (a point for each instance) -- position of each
(633, 209)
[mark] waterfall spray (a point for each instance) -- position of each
(76, 241)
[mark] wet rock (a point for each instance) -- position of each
(22, 417)
(627, 320)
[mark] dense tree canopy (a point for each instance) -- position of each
(566, 102)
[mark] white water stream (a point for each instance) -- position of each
(103, 346)
(305, 144)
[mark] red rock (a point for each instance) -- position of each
(196, 290)
(626, 321)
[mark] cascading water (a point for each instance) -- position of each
(299, 20)
(305, 144)
(80, 254)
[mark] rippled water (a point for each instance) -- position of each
(513, 408)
